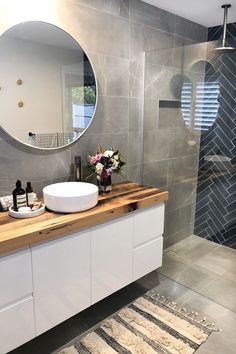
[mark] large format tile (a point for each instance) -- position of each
(195, 277)
(111, 116)
(135, 114)
(218, 342)
(114, 7)
(193, 248)
(222, 291)
(220, 261)
(96, 30)
(156, 146)
(171, 267)
(155, 173)
(150, 114)
(191, 30)
(178, 219)
(178, 236)
(181, 194)
(112, 75)
(145, 39)
(152, 16)
(183, 169)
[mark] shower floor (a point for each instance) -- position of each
(205, 267)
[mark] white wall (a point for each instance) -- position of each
(40, 68)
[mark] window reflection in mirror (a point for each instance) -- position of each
(58, 89)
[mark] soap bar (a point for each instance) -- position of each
(24, 210)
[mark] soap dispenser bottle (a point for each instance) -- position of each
(19, 196)
(29, 195)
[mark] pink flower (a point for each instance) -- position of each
(95, 159)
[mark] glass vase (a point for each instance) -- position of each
(104, 184)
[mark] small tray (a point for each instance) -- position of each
(25, 215)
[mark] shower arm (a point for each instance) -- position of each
(225, 7)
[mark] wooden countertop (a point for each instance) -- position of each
(125, 197)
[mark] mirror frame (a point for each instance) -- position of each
(96, 85)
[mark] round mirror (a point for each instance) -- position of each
(48, 90)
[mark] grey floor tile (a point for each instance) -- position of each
(193, 248)
(171, 267)
(220, 261)
(195, 277)
(222, 291)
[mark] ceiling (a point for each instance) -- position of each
(206, 12)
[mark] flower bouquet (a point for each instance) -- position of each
(103, 164)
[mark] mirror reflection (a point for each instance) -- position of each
(48, 88)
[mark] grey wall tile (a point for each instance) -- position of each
(114, 7)
(152, 16)
(190, 30)
(95, 30)
(144, 39)
(112, 75)
(111, 115)
(150, 114)
(160, 83)
(136, 76)
(135, 114)
(182, 142)
(163, 56)
(156, 146)
(134, 173)
(182, 169)
(135, 148)
(155, 173)
(178, 219)
(170, 118)
(181, 194)
(181, 234)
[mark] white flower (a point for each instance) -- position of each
(99, 168)
(108, 153)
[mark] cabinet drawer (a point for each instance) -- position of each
(148, 224)
(147, 258)
(15, 276)
(16, 325)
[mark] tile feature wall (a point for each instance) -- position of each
(216, 192)
(115, 34)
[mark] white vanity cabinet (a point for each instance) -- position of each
(61, 274)
(56, 279)
(16, 301)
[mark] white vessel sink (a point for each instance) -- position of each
(70, 197)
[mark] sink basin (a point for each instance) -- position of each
(70, 197)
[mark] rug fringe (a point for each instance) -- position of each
(195, 316)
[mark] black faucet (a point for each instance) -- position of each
(78, 173)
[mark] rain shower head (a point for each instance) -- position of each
(224, 49)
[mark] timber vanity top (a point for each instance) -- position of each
(125, 197)
(57, 265)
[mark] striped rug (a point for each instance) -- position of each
(151, 324)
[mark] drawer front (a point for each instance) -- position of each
(61, 272)
(15, 277)
(148, 224)
(147, 258)
(16, 325)
(111, 257)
